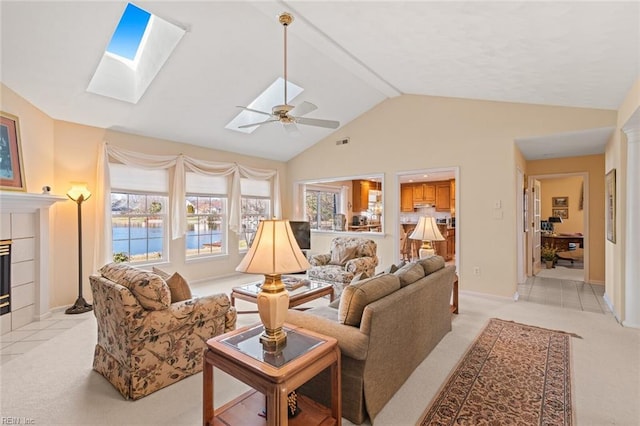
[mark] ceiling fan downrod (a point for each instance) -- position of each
(285, 19)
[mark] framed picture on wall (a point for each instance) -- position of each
(610, 196)
(561, 213)
(560, 202)
(11, 170)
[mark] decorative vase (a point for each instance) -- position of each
(549, 264)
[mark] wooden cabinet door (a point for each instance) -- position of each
(406, 198)
(360, 201)
(443, 197)
(418, 193)
(451, 244)
(429, 193)
(452, 205)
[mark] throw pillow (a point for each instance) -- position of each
(357, 296)
(432, 264)
(179, 288)
(151, 291)
(409, 273)
(359, 277)
(340, 254)
(162, 274)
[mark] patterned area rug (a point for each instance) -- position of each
(512, 374)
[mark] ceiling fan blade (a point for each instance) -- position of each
(291, 129)
(254, 110)
(329, 124)
(245, 126)
(303, 109)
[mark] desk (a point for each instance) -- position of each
(561, 242)
(273, 376)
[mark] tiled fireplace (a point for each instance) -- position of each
(24, 220)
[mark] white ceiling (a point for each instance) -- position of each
(349, 56)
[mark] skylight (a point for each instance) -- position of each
(270, 97)
(128, 35)
(140, 46)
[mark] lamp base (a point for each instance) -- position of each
(273, 302)
(80, 307)
(426, 252)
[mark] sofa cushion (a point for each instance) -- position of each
(178, 286)
(409, 273)
(150, 289)
(432, 264)
(358, 295)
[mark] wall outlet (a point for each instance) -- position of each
(476, 270)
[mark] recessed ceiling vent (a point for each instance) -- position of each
(342, 141)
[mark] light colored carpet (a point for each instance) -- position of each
(53, 384)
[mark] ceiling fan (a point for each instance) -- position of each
(286, 114)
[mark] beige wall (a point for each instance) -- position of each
(593, 165)
(569, 187)
(616, 158)
(57, 152)
(418, 132)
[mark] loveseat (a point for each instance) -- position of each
(145, 342)
(348, 257)
(386, 326)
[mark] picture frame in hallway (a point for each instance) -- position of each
(560, 202)
(11, 170)
(561, 213)
(610, 196)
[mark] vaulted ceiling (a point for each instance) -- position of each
(347, 55)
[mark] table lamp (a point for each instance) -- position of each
(426, 231)
(274, 252)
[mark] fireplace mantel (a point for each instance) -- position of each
(26, 202)
(21, 204)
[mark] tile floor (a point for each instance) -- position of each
(21, 340)
(564, 292)
(558, 287)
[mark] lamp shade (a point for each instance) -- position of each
(78, 189)
(427, 230)
(555, 219)
(274, 251)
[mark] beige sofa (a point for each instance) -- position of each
(145, 342)
(396, 320)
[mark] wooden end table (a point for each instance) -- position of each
(306, 293)
(273, 376)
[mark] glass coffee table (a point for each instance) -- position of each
(307, 292)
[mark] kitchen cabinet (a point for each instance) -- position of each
(451, 243)
(452, 205)
(443, 196)
(424, 193)
(446, 248)
(406, 198)
(361, 188)
(360, 200)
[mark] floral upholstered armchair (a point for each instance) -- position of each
(145, 342)
(349, 256)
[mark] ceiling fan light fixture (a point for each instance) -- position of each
(288, 115)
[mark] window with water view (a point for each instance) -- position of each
(138, 224)
(206, 222)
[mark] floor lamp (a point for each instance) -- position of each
(79, 193)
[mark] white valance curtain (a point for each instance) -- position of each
(180, 163)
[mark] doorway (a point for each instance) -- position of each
(433, 192)
(559, 219)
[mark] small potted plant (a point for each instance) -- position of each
(548, 254)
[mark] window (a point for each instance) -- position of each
(321, 207)
(206, 205)
(139, 220)
(255, 206)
